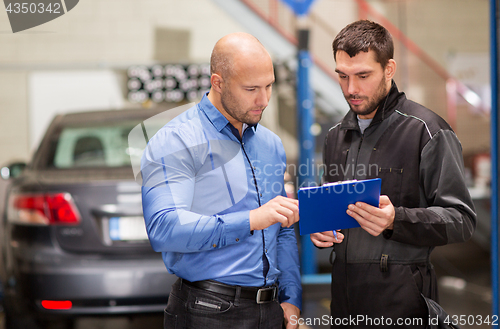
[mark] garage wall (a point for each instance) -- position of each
(95, 35)
(112, 31)
(446, 30)
(52, 92)
(13, 115)
(114, 34)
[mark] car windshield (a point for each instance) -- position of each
(92, 146)
(100, 146)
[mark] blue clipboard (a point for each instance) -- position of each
(323, 208)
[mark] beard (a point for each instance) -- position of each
(372, 103)
(233, 107)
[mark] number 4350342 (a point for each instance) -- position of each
(471, 320)
(33, 8)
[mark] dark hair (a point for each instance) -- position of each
(363, 36)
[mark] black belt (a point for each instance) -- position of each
(260, 295)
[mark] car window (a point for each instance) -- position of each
(98, 146)
(110, 143)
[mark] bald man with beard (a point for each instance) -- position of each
(215, 205)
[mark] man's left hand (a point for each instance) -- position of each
(372, 219)
(290, 310)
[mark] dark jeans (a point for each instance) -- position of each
(193, 308)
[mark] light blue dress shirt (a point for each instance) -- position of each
(199, 184)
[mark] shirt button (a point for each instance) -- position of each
(266, 251)
(214, 245)
(237, 239)
(261, 195)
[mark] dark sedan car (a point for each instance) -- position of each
(73, 239)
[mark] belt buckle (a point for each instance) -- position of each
(259, 292)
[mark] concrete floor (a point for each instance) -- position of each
(464, 281)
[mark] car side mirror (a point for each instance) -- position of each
(12, 170)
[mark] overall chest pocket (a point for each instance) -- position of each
(392, 179)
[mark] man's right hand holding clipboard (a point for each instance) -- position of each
(373, 220)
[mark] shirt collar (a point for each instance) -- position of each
(214, 116)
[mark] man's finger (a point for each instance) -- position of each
(354, 210)
(296, 216)
(286, 199)
(359, 215)
(369, 209)
(291, 216)
(326, 236)
(289, 203)
(282, 219)
(287, 212)
(322, 243)
(290, 210)
(384, 200)
(375, 212)
(369, 213)
(369, 226)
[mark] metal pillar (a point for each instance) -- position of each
(494, 156)
(305, 118)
